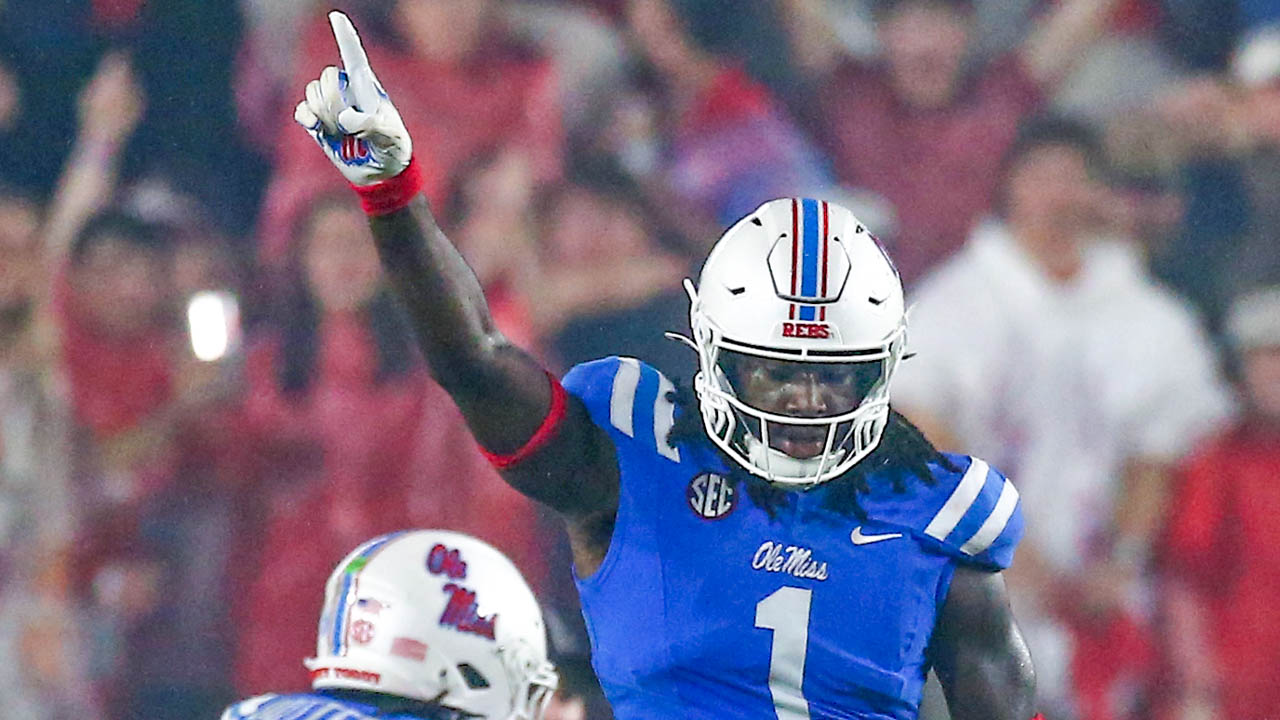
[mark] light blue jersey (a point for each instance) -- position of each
(306, 706)
(706, 608)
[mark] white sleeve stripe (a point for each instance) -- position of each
(995, 523)
(664, 416)
(623, 399)
(958, 504)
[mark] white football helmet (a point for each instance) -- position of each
(439, 617)
(803, 284)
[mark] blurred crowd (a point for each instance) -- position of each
(208, 394)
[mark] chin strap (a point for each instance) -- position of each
(792, 468)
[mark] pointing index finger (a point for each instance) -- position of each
(355, 62)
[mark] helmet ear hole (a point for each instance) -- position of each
(474, 678)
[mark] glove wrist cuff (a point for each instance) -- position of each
(393, 193)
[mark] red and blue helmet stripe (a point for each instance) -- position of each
(810, 242)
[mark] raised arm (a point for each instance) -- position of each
(110, 107)
(541, 438)
(503, 392)
(509, 401)
(978, 652)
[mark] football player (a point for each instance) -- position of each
(776, 542)
(421, 625)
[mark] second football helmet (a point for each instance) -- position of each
(439, 617)
(801, 284)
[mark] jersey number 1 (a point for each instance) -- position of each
(781, 612)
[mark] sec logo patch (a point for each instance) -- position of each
(711, 496)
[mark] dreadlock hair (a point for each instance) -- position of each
(903, 452)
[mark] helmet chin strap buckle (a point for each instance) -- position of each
(786, 470)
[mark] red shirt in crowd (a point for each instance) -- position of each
(939, 168)
(1224, 542)
(115, 382)
(385, 455)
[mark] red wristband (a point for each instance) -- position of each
(541, 436)
(391, 194)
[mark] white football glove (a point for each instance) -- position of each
(351, 117)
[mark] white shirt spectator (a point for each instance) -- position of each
(43, 671)
(1059, 384)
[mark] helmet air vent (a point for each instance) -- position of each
(474, 679)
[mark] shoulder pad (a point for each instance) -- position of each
(973, 515)
(629, 399)
(297, 706)
(246, 708)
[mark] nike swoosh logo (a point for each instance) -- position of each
(859, 539)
